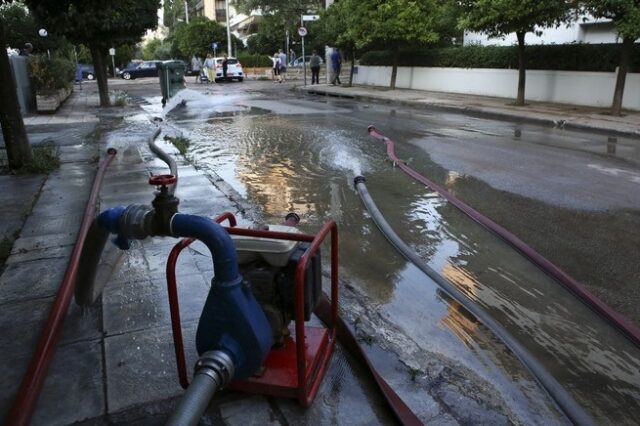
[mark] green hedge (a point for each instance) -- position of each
(49, 75)
(254, 60)
(567, 57)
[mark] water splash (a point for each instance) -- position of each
(342, 154)
(196, 103)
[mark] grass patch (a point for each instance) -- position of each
(121, 98)
(45, 160)
(180, 142)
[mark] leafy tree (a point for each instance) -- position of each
(174, 12)
(156, 49)
(99, 25)
(625, 15)
(195, 38)
(500, 17)
(13, 130)
(390, 24)
(279, 16)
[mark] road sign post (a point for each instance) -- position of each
(112, 52)
(302, 32)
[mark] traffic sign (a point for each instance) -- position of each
(302, 31)
(112, 51)
(214, 45)
(310, 17)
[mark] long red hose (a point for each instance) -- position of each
(32, 382)
(578, 289)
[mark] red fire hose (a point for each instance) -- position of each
(32, 382)
(623, 324)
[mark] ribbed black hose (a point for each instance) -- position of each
(194, 402)
(574, 412)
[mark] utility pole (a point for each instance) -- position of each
(226, 5)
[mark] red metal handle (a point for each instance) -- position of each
(158, 180)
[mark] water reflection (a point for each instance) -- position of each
(306, 163)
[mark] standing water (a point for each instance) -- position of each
(302, 156)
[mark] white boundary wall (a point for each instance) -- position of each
(566, 87)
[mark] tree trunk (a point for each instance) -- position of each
(353, 64)
(522, 69)
(394, 70)
(97, 55)
(13, 130)
(627, 48)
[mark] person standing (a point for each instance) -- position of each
(275, 59)
(336, 65)
(196, 67)
(210, 67)
(282, 71)
(314, 64)
(225, 67)
(26, 50)
(292, 57)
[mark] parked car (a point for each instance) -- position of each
(234, 69)
(142, 69)
(86, 71)
(297, 63)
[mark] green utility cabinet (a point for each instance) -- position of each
(171, 75)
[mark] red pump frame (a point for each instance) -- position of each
(296, 369)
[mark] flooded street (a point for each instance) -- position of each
(572, 196)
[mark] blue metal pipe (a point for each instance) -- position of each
(214, 236)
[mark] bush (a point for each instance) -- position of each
(254, 60)
(50, 75)
(565, 57)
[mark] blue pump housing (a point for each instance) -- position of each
(231, 320)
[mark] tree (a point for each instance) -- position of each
(13, 130)
(156, 49)
(625, 15)
(279, 17)
(174, 12)
(500, 17)
(99, 25)
(195, 38)
(391, 24)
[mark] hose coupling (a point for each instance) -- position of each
(135, 222)
(292, 219)
(217, 365)
(358, 179)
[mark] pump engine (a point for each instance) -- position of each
(268, 266)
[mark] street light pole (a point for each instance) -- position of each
(186, 12)
(226, 5)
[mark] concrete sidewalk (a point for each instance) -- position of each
(568, 116)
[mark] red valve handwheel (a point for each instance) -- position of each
(158, 180)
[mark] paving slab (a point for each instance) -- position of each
(17, 283)
(140, 366)
(17, 196)
(72, 391)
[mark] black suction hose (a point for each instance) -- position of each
(559, 394)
